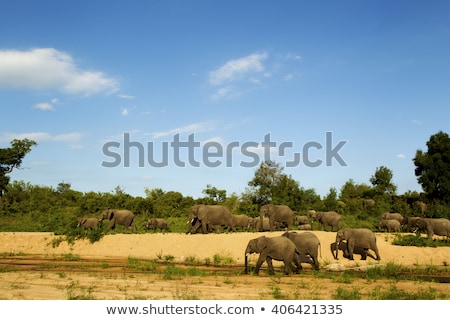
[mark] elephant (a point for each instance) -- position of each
(420, 206)
(434, 226)
(305, 226)
(361, 237)
(156, 223)
(265, 225)
(343, 246)
(310, 213)
(299, 220)
(89, 223)
(281, 214)
(308, 244)
(390, 225)
(122, 217)
(328, 218)
(368, 203)
(392, 216)
(277, 248)
(409, 223)
(214, 215)
(241, 221)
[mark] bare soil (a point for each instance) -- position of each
(175, 266)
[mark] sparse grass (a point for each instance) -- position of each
(419, 241)
(75, 291)
(393, 293)
(347, 294)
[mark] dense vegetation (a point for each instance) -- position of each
(28, 207)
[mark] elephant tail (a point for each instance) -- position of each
(320, 249)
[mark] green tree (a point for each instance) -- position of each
(216, 195)
(267, 176)
(382, 181)
(11, 158)
(433, 168)
(330, 201)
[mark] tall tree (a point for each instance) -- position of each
(382, 181)
(267, 176)
(433, 168)
(11, 158)
(216, 195)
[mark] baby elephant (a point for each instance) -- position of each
(278, 248)
(156, 223)
(343, 246)
(89, 223)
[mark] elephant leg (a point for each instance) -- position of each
(297, 263)
(111, 225)
(260, 261)
(377, 253)
(351, 246)
(364, 254)
(270, 265)
(371, 255)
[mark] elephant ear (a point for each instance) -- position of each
(111, 214)
(261, 243)
(201, 213)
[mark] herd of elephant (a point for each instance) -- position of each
(291, 247)
(121, 217)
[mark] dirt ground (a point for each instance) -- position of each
(33, 267)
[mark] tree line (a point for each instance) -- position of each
(28, 207)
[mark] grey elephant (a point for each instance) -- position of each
(310, 213)
(277, 248)
(241, 221)
(390, 225)
(89, 223)
(392, 216)
(327, 219)
(119, 217)
(209, 215)
(409, 223)
(301, 220)
(434, 226)
(420, 206)
(357, 237)
(156, 224)
(368, 203)
(280, 214)
(343, 246)
(265, 224)
(306, 226)
(308, 244)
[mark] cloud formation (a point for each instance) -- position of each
(235, 69)
(190, 128)
(48, 68)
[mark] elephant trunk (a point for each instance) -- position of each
(336, 250)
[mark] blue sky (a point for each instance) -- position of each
(78, 76)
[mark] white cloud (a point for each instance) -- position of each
(417, 122)
(126, 96)
(44, 106)
(401, 156)
(235, 69)
(191, 128)
(124, 112)
(48, 68)
(222, 93)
